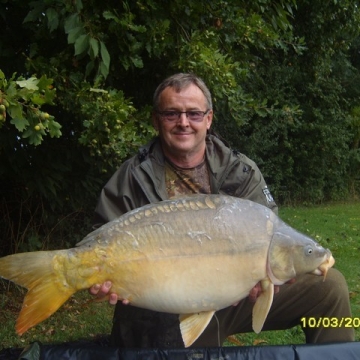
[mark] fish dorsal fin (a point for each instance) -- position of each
(193, 325)
(262, 305)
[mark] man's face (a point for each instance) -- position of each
(183, 137)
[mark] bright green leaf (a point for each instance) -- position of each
(30, 83)
(38, 99)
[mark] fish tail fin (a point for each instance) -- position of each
(46, 292)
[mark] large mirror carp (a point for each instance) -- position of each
(189, 256)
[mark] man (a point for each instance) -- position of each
(185, 158)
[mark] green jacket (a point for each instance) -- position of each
(141, 180)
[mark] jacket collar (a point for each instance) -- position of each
(220, 159)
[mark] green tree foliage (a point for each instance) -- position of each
(305, 140)
(21, 99)
(77, 80)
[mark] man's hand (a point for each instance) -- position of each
(102, 290)
(256, 291)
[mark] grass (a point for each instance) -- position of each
(79, 318)
(336, 226)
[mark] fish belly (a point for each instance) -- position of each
(191, 284)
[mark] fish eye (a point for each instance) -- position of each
(308, 250)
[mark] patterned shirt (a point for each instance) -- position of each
(180, 181)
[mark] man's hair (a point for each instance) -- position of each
(179, 82)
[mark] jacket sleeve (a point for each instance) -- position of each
(246, 181)
(118, 196)
(253, 185)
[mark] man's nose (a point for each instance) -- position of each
(183, 120)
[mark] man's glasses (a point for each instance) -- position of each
(192, 115)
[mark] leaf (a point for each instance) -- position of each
(53, 19)
(99, 90)
(35, 138)
(11, 90)
(54, 129)
(16, 111)
(73, 21)
(137, 61)
(261, 112)
(38, 99)
(20, 124)
(74, 34)
(235, 340)
(89, 67)
(104, 71)
(94, 48)
(79, 5)
(30, 83)
(81, 44)
(259, 341)
(34, 14)
(105, 55)
(3, 81)
(49, 96)
(44, 83)
(108, 15)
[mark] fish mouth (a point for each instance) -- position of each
(324, 266)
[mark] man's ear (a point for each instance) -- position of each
(209, 118)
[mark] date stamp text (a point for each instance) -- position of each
(330, 322)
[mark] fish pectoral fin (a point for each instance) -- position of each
(193, 325)
(262, 305)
